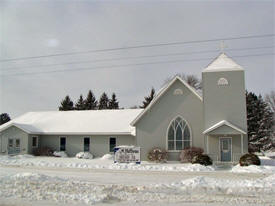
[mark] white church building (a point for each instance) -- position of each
(177, 118)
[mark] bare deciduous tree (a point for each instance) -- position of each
(192, 80)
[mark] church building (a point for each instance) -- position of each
(177, 118)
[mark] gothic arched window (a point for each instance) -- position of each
(179, 135)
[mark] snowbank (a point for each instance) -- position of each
(60, 154)
(107, 157)
(105, 162)
(35, 187)
(267, 166)
(84, 155)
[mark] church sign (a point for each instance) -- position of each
(127, 154)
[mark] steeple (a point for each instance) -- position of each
(223, 63)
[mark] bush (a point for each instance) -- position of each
(60, 154)
(187, 154)
(43, 151)
(202, 159)
(249, 159)
(157, 155)
(84, 155)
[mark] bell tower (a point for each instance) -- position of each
(224, 93)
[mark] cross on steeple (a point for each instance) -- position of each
(222, 46)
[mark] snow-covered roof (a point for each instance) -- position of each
(104, 122)
(221, 123)
(161, 92)
(223, 63)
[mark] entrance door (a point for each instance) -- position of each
(225, 147)
(14, 146)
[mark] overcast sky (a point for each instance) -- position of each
(33, 28)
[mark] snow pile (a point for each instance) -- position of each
(84, 155)
(107, 157)
(105, 162)
(60, 154)
(35, 187)
(267, 166)
(270, 154)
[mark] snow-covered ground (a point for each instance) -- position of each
(63, 181)
(106, 162)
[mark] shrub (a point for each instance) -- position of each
(157, 155)
(202, 159)
(249, 159)
(60, 154)
(43, 151)
(84, 155)
(187, 154)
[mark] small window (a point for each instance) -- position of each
(34, 141)
(62, 143)
(10, 142)
(112, 144)
(86, 144)
(222, 82)
(17, 143)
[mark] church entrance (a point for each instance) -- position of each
(226, 149)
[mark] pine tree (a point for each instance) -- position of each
(104, 101)
(259, 122)
(90, 102)
(80, 105)
(4, 117)
(113, 104)
(148, 99)
(66, 104)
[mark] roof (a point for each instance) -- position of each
(221, 123)
(223, 63)
(160, 94)
(103, 122)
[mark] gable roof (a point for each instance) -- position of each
(221, 123)
(223, 63)
(161, 93)
(102, 122)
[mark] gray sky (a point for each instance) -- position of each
(31, 28)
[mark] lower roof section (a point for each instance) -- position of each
(101, 122)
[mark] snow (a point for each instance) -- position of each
(26, 177)
(77, 122)
(223, 63)
(60, 154)
(107, 157)
(106, 162)
(84, 155)
(37, 187)
(267, 166)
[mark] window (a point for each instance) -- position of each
(17, 143)
(10, 142)
(34, 141)
(222, 82)
(62, 143)
(112, 144)
(179, 136)
(86, 144)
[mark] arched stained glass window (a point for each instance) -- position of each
(179, 136)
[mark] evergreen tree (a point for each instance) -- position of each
(66, 104)
(80, 105)
(90, 102)
(148, 99)
(259, 122)
(4, 117)
(103, 101)
(113, 104)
